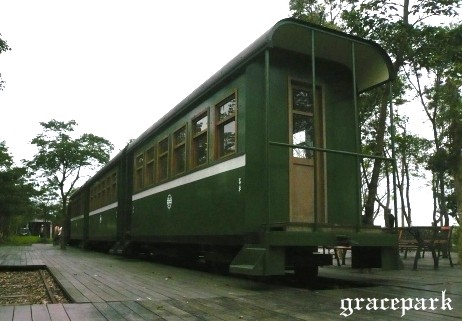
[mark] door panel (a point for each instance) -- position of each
(306, 129)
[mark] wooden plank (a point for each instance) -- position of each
(213, 309)
(128, 314)
(108, 312)
(166, 310)
(57, 312)
(83, 312)
(193, 309)
(40, 312)
(6, 313)
(150, 291)
(142, 311)
(22, 313)
(68, 288)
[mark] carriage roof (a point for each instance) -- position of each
(372, 65)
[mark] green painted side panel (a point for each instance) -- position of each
(261, 207)
(342, 189)
(211, 206)
(77, 228)
(103, 225)
(329, 238)
(342, 170)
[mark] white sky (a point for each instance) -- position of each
(116, 66)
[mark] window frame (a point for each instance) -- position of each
(104, 191)
(300, 85)
(149, 166)
(138, 171)
(195, 136)
(160, 156)
(221, 123)
(177, 146)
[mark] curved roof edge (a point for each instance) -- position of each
(329, 44)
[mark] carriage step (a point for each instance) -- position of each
(249, 260)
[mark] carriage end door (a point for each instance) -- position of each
(306, 128)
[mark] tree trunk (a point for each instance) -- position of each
(380, 142)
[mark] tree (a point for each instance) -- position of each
(439, 93)
(61, 158)
(399, 32)
(15, 194)
(326, 13)
(3, 47)
(399, 29)
(48, 206)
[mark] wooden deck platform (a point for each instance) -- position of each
(107, 287)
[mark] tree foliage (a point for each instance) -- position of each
(61, 158)
(405, 30)
(15, 194)
(3, 47)
(436, 75)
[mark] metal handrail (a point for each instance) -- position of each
(334, 151)
(340, 152)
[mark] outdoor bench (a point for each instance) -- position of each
(436, 239)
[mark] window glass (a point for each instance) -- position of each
(104, 191)
(228, 138)
(200, 149)
(163, 146)
(302, 100)
(201, 124)
(200, 140)
(226, 127)
(302, 121)
(302, 135)
(162, 160)
(180, 136)
(227, 109)
(150, 167)
(114, 186)
(179, 157)
(139, 163)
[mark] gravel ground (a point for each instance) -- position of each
(27, 287)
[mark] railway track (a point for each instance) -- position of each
(49, 291)
(31, 286)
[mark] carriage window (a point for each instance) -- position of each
(139, 164)
(162, 161)
(303, 100)
(150, 167)
(104, 191)
(179, 152)
(302, 121)
(114, 187)
(226, 126)
(92, 198)
(199, 141)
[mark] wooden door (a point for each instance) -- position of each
(306, 128)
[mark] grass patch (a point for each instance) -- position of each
(21, 240)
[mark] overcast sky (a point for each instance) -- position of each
(115, 66)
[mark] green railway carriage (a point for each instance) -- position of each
(77, 210)
(98, 208)
(259, 166)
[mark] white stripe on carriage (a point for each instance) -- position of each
(104, 208)
(77, 218)
(193, 177)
